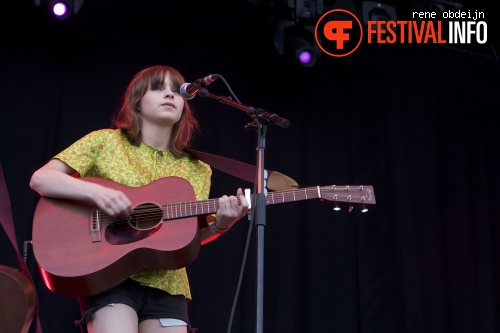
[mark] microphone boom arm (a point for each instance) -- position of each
(250, 110)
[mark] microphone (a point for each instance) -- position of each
(189, 90)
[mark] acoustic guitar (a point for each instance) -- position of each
(18, 301)
(81, 251)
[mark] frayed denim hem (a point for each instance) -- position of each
(82, 323)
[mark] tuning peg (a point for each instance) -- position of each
(336, 208)
(364, 209)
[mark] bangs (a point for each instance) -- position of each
(157, 78)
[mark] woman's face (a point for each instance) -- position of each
(163, 105)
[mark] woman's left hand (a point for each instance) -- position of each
(231, 209)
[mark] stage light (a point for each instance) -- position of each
(306, 57)
(295, 42)
(60, 9)
(306, 11)
(300, 50)
(376, 11)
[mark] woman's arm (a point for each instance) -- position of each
(54, 180)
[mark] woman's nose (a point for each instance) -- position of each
(168, 93)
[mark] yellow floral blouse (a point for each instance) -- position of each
(108, 154)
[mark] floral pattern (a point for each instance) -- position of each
(108, 154)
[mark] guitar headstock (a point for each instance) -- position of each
(350, 195)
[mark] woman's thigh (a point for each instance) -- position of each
(114, 318)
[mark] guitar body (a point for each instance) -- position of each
(18, 301)
(74, 264)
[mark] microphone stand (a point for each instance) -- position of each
(261, 122)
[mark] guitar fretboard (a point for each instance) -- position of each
(342, 194)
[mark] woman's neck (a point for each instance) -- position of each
(157, 137)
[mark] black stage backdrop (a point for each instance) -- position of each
(418, 122)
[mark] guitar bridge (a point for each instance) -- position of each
(95, 226)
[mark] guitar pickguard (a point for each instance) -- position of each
(121, 232)
(144, 221)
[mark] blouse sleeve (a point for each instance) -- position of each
(82, 154)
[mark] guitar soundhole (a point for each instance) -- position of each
(146, 216)
(144, 221)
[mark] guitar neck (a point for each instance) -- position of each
(210, 206)
(306, 193)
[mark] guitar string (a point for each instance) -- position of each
(185, 209)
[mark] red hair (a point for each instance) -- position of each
(129, 121)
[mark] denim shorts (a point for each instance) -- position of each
(147, 302)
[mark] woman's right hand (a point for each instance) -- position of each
(54, 180)
(112, 202)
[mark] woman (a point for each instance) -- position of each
(153, 127)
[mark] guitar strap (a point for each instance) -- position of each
(8, 224)
(275, 180)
